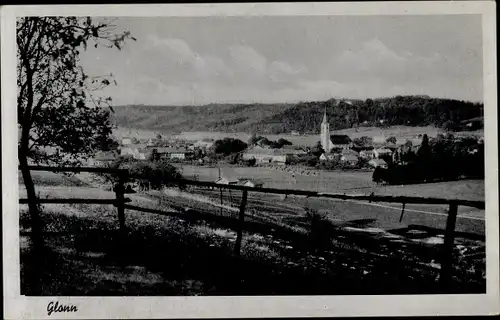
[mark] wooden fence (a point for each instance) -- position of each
(120, 203)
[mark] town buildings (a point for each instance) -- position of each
(267, 155)
(173, 153)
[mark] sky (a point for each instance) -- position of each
(200, 60)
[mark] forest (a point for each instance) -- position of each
(400, 110)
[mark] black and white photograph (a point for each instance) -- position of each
(260, 153)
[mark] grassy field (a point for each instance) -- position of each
(351, 182)
(371, 252)
(360, 183)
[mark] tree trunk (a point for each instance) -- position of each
(36, 223)
(34, 264)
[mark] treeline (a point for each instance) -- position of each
(306, 117)
(441, 159)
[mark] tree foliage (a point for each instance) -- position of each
(391, 139)
(57, 110)
(363, 141)
(317, 150)
(442, 158)
(147, 174)
(228, 146)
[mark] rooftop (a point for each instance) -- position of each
(378, 161)
(340, 139)
(170, 150)
(350, 157)
(253, 181)
(136, 146)
(103, 156)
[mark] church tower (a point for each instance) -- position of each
(325, 134)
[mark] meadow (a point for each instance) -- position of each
(350, 182)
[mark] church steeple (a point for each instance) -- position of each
(325, 133)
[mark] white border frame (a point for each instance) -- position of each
(21, 307)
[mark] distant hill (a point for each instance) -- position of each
(304, 117)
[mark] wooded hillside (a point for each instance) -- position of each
(304, 117)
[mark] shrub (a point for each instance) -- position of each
(147, 174)
(391, 139)
(321, 230)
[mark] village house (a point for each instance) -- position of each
(381, 152)
(250, 183)
(279, 157)
(204, 144)
(153, 142)
(379, 139)
(340, 142)
(276, 156)
(349, 159)
(329, 157)
(392, 146)
(143, 154)
(132, 150)
(374, 163)
(350, 152)
(102, 158)
(260, 154)
(225, 180)
(173, 153)
(292, 153)
(126, 141)
(367, 154)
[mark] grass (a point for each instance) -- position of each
(168, 256)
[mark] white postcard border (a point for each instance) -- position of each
(21, 307)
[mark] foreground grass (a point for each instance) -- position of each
(85, 255)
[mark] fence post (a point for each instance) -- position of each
(221, 202)
(120, 200)
(402, 213)
(239, 238)
(447, 247)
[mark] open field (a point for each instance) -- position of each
(351, 182)
(402, 132)
(360, 183)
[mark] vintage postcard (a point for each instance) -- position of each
(250, 160)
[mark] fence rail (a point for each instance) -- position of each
(341, 196)
(240, 225)
(76, 200)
